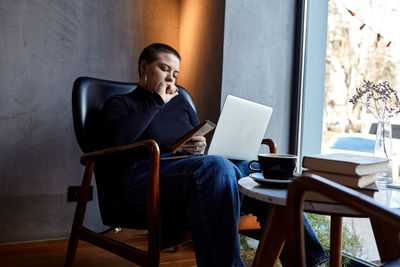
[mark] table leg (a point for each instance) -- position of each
(336, 241)
(387, 241)
(272, 238)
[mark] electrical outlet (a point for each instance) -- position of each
(73, 193)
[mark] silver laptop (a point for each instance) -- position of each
(240, 129)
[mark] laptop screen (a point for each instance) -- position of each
(240, 129)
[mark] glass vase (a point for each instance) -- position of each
(383, 148)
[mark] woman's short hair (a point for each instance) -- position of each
(151, 52)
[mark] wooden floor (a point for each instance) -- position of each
(52, 253)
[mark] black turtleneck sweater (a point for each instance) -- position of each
(141, 115)
(134, 117)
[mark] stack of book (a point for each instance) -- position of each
(355, 171)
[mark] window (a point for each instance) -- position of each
(360, 41)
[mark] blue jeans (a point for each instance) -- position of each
(203, 192)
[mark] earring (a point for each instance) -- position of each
(143, 80)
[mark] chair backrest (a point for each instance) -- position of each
(88, 98)
(389, 219)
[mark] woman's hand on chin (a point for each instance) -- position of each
(167, 91)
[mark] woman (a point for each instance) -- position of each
(201, 191)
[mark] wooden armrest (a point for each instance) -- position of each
(150, 144)
(271, 144)
(153, 191)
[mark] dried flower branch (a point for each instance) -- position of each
(380, 100)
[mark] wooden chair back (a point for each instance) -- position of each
(388, 220)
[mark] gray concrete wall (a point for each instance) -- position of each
(44, 46)
(258, 56)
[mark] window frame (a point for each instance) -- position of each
(309, 77)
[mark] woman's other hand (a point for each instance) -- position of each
(196, 145)
(167, 91)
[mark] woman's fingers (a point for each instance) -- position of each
(171, 88)
(196, 145)
(167, 91)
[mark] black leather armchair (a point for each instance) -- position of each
(88, 98)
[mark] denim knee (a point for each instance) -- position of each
(218, 169)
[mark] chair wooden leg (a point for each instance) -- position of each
(79, 213)
(387, 241)
(71, 251)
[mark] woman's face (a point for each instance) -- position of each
(163, 70)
